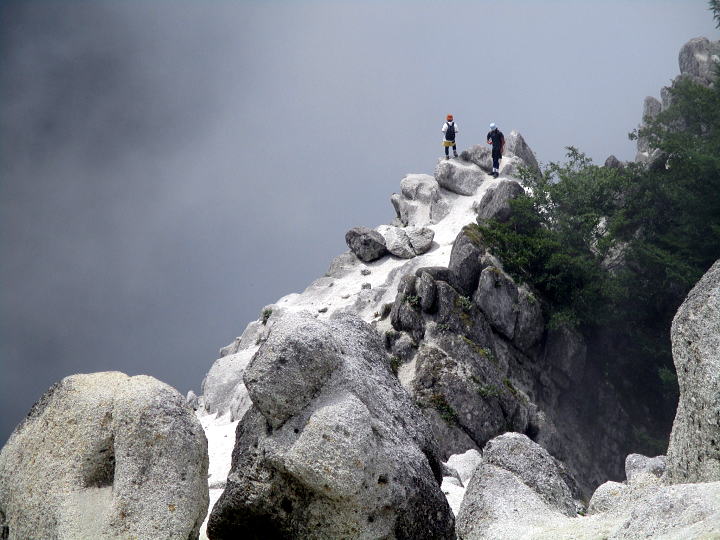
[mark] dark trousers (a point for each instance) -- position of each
(447, 150)
(496, 155)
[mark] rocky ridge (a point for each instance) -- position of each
(331, 414)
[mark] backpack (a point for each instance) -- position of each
(450, 132)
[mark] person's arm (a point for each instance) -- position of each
(502, 145)
(444, 128)
(489, 140)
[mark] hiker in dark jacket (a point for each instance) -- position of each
(497, 139)
(449, 129)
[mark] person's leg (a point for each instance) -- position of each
(447, 151)
(455, 150)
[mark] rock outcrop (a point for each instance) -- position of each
(483, 363)
(515, 144)
(495, 204)
(332, 447)
(698, 60)
(694, 450)
(419, 201)
(367, 244)
(105, 455)
(458, 176)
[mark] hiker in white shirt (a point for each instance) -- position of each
(449, 129)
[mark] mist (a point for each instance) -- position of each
(169, 168)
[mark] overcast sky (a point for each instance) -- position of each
(169, 168)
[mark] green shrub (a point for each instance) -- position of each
(447, 413)
(395, 364)
(413, 300)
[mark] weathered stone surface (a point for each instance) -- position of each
(457, 314)
(405, 313)
(105, 455)
(290, 367)
(438, 273)
(636, 464)
(606, 497)
(457, 379)
(497, 297)
(651, 108)
(530, 325)
(465, 262)
(498, 505)
(420, 187)
(515, 144)
(698, 59)
(438, 211)
(367, 244)
(342, 265)
(510, 166)
(427, 291)
(421, 239)
(495, 204)
(465, 464)
(613, 163)
(534, 466)
(458, 176)
(397, 241)
(404, 347)
(694, 451)
(480, 155)
(685, 512)
(223, 388)
(358, 461)
(192, 400)
(566, 354)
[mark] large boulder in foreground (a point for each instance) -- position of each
(105, 455)
(367, 244)
(536, 468)
(515, 490)
(345, 454)
(694, 450)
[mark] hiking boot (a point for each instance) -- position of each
(447, 157)
(456, 154)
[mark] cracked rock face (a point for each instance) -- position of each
(694, 450)
(105, 455)
(332, 447)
